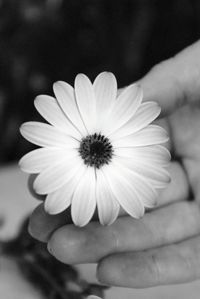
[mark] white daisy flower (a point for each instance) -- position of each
(98, 150)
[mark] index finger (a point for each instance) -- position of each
(89, 244)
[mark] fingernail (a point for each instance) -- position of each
(30, 230)
(102, 274)
(98, 275)
(49, 248)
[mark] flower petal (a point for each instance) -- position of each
(149, 170)
(108, 206)
(146, 192)
(84, 199)
(150, 135)
(39, 159)
(46, 135)
(86, 101)
(155, 154)
(66, 99)
(49, 108)
(125, 107)
(123, 191)
(55, 176)
(105, 88)
(145, 114)
(59, 200)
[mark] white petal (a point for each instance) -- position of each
(86, 101)
(59, 200)
(49, 108)
(66, 98)
(39, 159)
(155, 154)
(46, 135)
(108, 206)
(124, 108)
(105, 88)
(123, 191)
(147, 170)
(150, 135)
(146, 192)
(145, 114)
(55, 176)
(84, 199)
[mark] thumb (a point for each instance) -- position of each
(174, 82)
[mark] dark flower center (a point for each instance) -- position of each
(96, 150)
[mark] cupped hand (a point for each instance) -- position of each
(164, 246)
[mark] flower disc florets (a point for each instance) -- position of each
(96, 150)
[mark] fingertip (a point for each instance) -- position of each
(36, 227)
(105, 272)
(100, 272)
(31, 180)
(81, 245)
(68, 244)
(42, 225)
(130, 270)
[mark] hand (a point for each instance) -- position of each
(163, 247)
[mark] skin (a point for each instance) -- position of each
(164, 246)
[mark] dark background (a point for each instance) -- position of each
(49, 40)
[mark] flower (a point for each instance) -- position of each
(98, 150)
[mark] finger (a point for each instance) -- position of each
(174, 82)
(177, 263)
(173, 223)
(31, 180)
(41, 224)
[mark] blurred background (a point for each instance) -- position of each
(42, 41)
